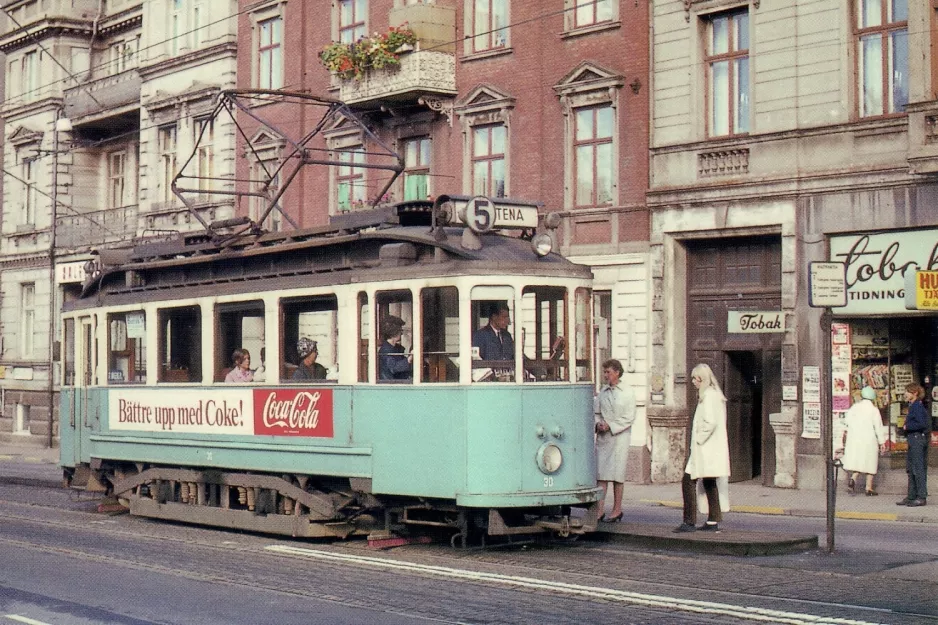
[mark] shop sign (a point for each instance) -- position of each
(755, 321)
(67, 273)
(876, 265)
(921, 289)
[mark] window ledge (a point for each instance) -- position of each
(486, 54)
(591, 29)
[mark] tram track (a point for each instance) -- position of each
(484, 569)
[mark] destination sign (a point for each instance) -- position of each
(483, 213)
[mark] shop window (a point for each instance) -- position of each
(439, 309)
(310, 334)
(493, 339)
(583, 341)
(238, 326)
(127, 357)
(364, 329)
(180, 344)
(395, 340)
(543, 333)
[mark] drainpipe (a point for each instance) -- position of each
(52, 289)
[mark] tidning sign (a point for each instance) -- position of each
(291, 412)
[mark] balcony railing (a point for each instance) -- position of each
(421, 73)
(103, 94)
(96, 227)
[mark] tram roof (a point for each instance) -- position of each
(358, 249)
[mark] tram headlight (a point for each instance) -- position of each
(549, 458)
(542, 244)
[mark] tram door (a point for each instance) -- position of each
(85, 412)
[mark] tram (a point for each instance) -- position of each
(451, 440)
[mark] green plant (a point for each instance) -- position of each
(352, 60)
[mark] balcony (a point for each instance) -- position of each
(923, 137)
(103, 96)
(421, 73)
(96, 227)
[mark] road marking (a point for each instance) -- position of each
(609, 594)
(23, 619)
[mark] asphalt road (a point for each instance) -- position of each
(64, 564)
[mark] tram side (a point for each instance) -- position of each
(457, 441)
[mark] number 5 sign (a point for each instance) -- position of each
(480, 214)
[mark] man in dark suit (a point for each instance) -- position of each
(493, 341)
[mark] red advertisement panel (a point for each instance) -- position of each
(292, 412)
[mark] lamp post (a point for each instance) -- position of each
(61, 124)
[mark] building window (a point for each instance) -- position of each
(270, 53)
(29, 77)
(176, 27)
(204, 139)
(115, 179)
(594, 162)
(488, 160)
(728, 73)
(489, 24)
(167, 148)
(589, 12)
(28, 317)
(350, 180)
(21, 421)
(882, 56)
(416, 168)
(352, 16)
(123, 55)
(30, 193)
(266, 181)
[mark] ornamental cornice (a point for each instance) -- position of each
(46, 29)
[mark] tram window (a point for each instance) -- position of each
(126, 353)
(395, 324)
(543, 323)
(364, 323)
(440, 327)
(68, 357)
(180, 344)
(238, 325)
(310, 333)
(583, 343)
(493, 337)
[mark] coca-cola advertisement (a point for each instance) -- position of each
(291, 412)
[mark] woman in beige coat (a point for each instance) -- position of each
(709, 451)
(864, 440)
(615, 414)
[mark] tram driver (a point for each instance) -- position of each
(493, 340)
(309, 369)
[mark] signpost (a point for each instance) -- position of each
(827, 288)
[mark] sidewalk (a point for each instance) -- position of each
(753, 498)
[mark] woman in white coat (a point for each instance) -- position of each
(613, 426)
(864, 439)
(709, 451)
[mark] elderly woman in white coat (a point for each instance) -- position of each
(864, 439)
(613, 424)
(709, 452)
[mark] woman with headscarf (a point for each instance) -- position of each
(615, 413)
(709, 452)
(864, 439)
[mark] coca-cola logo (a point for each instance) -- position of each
(283, 412)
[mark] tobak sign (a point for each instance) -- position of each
(755, 321)
(243, 411)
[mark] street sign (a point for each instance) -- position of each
(921, 290)
(827, 285)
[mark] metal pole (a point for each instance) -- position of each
(52, 291)
(827, 425)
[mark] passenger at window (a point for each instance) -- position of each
(309, 369)
(493, 340)
(393, 362)
(260, 374)
(241, 373)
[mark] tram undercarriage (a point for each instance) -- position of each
(312, 507)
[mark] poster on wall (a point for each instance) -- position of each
(902, 376)
(811, 426)
(838, 427)
(840, 333)
(811, 383)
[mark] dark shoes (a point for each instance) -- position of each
(851, 486)
(709, 527)
(915, 503)
(685, 528)
(610, 519)
(903, 502)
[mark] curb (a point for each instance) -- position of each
(840, 514)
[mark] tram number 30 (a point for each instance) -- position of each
(548, 481)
